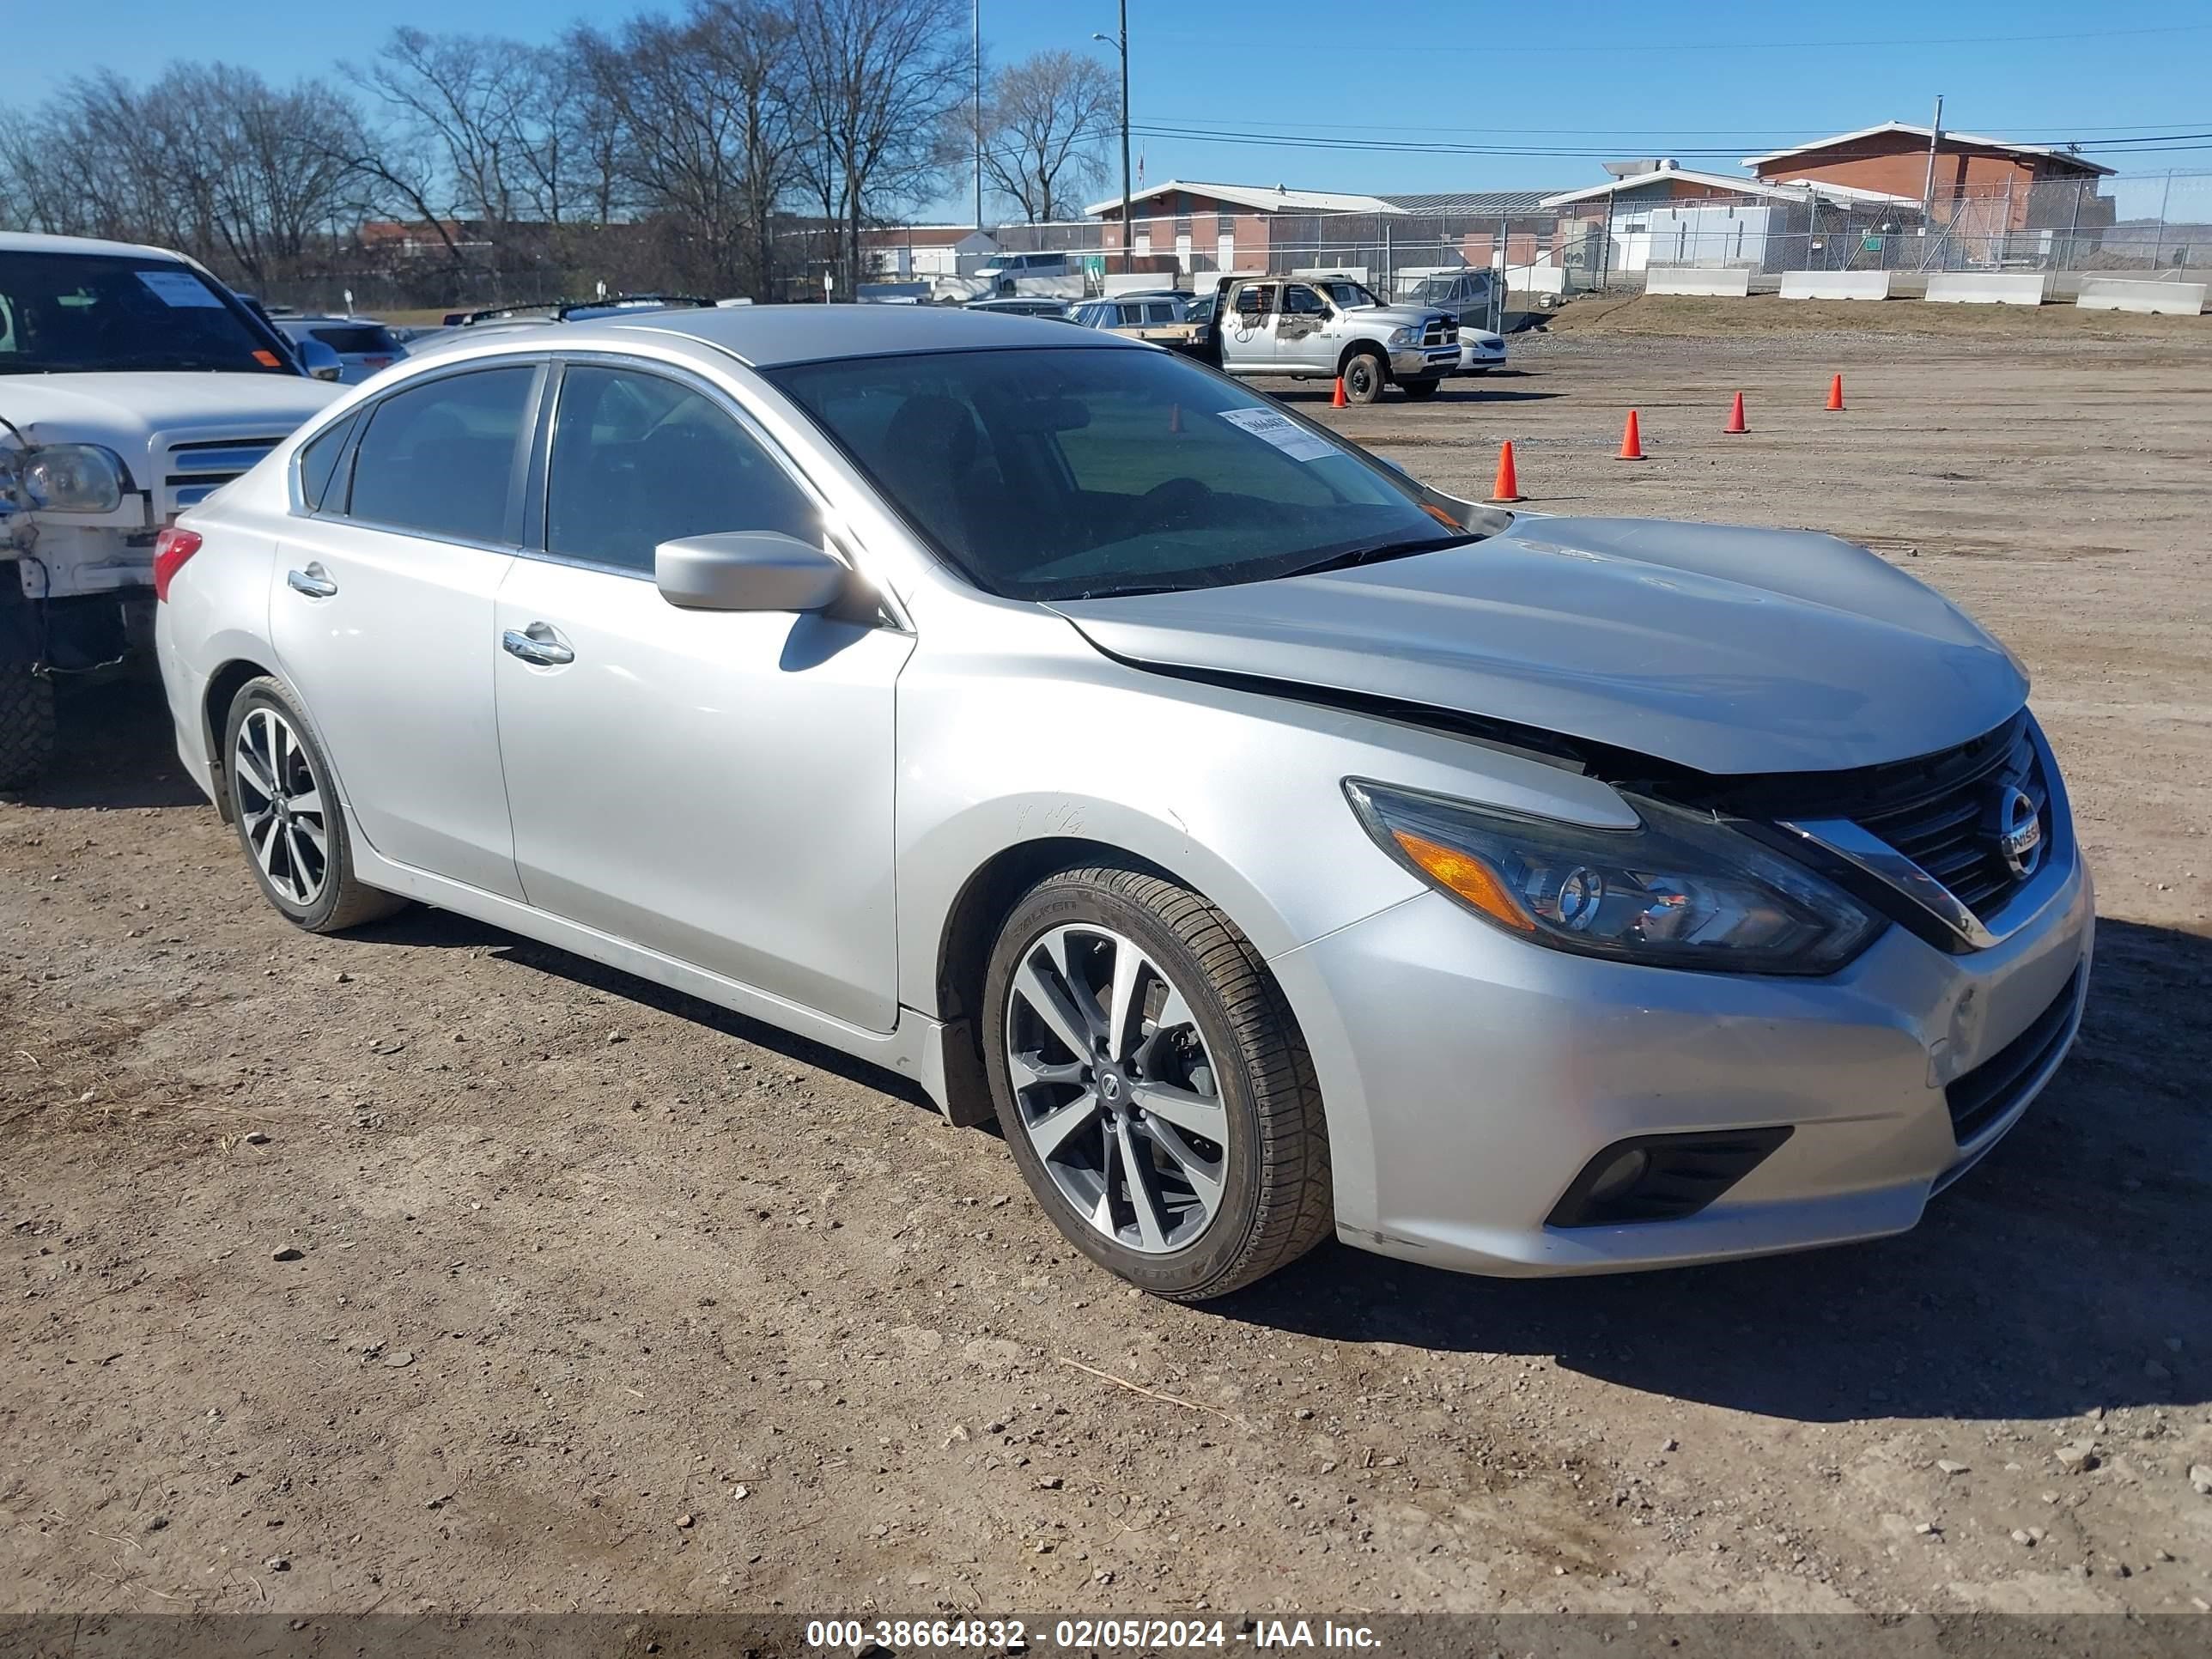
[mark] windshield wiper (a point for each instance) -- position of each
(1376, 552)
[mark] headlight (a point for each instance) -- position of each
(1405, 336)
(73, 479)
(1681, 891)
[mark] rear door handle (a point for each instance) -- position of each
(314, 581)
(537, 644)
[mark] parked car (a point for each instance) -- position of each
(1022, 305)
(1480, 350)
(363, 344)
(132, 385)
(1275, 845)
(1159, 317)
(1002, 272)
(1312, 328)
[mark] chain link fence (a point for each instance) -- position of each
(2149, 224)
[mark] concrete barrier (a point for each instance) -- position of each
(1690, 279)
(2169, 299)
(1987, 288)
(1538, 279)
(1835, 285)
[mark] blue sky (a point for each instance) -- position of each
(1622, 79)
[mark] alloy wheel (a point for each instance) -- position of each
(1116, 1090)
(281, 807)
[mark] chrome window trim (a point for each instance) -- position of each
(838, 540)
(1847, 841)
(362, 413)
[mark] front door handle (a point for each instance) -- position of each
(314, 581)
(537, 644)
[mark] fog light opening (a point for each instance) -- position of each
(1662, 1178)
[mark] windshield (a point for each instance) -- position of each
(1073, 472)
(81, 313)
(1348, 293)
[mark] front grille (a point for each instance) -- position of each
(1953, 832)
(1440, 332)
(197, 470)
(1983, 1095)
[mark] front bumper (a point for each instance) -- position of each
(1469, 1078)
(1477, 360)
(1424, 362)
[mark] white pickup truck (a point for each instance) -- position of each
(132, 385)
(1330, 327)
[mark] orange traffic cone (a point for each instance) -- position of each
(1632, 440)
(1508, 487)
(1175, 417)
(1735, 416)
(1836, 392)
(1337, 399)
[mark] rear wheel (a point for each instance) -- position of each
(1152, 1086)
(1364, 376)
(26, 723)
(1417, 390)
(287, 813)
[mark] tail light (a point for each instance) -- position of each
(171, 548)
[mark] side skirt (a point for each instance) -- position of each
(919, 1047)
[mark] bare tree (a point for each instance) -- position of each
(706, 131)
(473, 102)
(1043, 130)
(209, 159)
(879, 81)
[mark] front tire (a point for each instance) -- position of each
(1366, 374)
(1152, 1086)
(26, 725)
(286, 810)
(1419, 390)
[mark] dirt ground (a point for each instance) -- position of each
(605, 1299)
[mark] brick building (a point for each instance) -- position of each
(1982, 186)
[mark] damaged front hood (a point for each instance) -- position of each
(1719, 647)
(122, 412)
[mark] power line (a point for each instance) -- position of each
(1747, 134)
(1704, 48)
(2148, 144)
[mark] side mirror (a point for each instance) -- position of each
(747, 570)
(318, 359)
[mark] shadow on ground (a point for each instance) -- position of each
(116, 749)
(2058, 1275)
(2053, 1277)
(1453, 392)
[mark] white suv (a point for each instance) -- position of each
(133, 386)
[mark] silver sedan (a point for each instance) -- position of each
(1276, 846)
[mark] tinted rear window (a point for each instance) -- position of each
(318, 461)
(365, 339)
(440, 458)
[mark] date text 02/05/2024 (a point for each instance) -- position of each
(1012, 1635)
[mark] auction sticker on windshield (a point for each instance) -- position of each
(179, 288)
(1286, 434)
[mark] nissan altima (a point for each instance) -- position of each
(1275, 846)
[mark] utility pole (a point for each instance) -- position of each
(978, 113)
(1120, 44)
(1928, 191)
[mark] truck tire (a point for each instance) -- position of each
(1366, 374)
(1186, 1152)
(1417, 390)
(26, 725)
